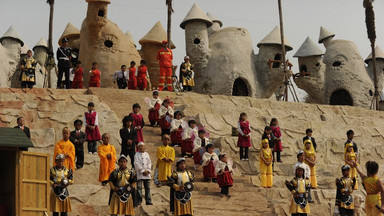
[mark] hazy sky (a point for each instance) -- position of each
(302, 18)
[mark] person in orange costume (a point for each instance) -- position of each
(107, 154)
(66, 148)
(165, 57)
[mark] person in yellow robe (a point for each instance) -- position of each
(374, 204)
(60, 204)
(310, 160)
(182, 197)
(120, 180)
(266, 159)
(107, 154)
(350, 157)
(299, 187)
(66, 148)
(165, 157)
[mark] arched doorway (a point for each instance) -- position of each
(341, 97)
(240, 88)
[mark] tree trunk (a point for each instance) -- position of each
(50, 47)
(169, 4)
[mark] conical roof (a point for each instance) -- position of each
(214, 19)
(274, 38)
(41, 43)
(129, 36)
(156, 35)
(24, 49)
(324, 34)
(70, 32)
(308, 48)
(12, 33)
(379, 55)
(196, 14)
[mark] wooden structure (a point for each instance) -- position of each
(25, 181)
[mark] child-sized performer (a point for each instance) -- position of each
(60, 204)
(132, 81)
(181, 195)
(266, 159)
(278, 147)
(164, 111)
(200, 142)
(244, 141)
(91, 122)
(142, 74)
(350, 158)
(187, 144)
(66, 148)
(78, 71)
(344, 201)
(138, 122)
(128, 136)
(224, 172)
(308, 133)
(107, 154)
(143, 168)
(374, 203)
(78, 137)
(299, 187)
(310, 160)
(121, 180)
(177, 129)
(350, 136)
(165, 157)
(154, 105)
(210, 159)
(94, 75)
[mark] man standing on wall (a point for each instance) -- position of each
(63, 56)
(165, 58)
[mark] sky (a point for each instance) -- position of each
(302, 18)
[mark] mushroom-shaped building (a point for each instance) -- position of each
(346, 79)
(224, 60)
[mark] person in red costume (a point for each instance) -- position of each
(78, 79)
(132, 82)
(94, 75)
(142, 74)
(165, 58)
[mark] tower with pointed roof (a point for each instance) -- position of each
(12, 43)
(311, 69)
(40, 51)
(270, 48)
(216, 26)
(102, 41)
(150, 45)
(325, 36)
(196, 25)
(379, 67)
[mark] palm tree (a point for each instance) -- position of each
(170, 11)
(371, 30)
(51, 61)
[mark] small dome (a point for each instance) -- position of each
(70, 32)
(274, 38)
(214, 19)
(379, 55)
(308, 48)
(41, 43)
(196, 14)
(156, 35)
(324, 34)
(12, 33)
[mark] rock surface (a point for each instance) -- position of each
(47, 111)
